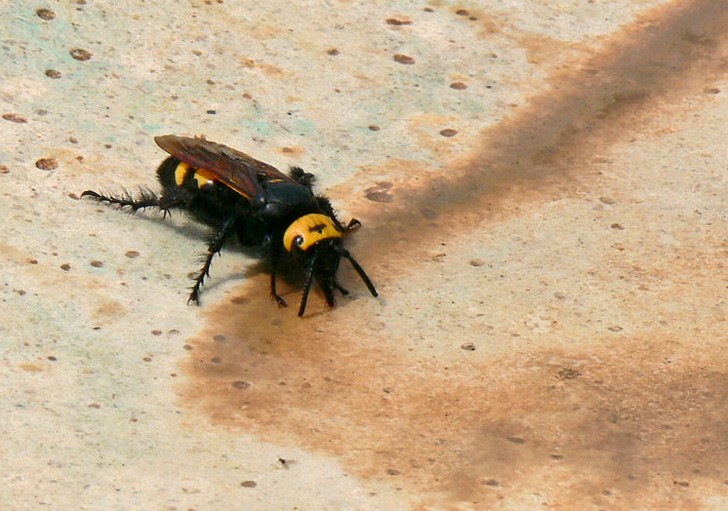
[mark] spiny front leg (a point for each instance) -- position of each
(218, 240)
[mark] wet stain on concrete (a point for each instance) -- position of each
(633, 419)
(623, 425)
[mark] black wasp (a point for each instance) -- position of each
(237, 194)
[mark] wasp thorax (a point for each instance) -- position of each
(309, 230)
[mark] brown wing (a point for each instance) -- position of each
(236, 170)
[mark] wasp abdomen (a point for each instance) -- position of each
(174, 172)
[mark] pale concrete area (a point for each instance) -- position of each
(542, 188)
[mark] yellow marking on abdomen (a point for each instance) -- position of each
(309, 230)
(204, 178)
(180, 173)
(201, 176)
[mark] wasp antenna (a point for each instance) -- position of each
(307, 286)
(360, 271)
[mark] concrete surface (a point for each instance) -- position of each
(543, 191)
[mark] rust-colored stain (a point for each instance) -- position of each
(631, 418)
(557, 137)
(602, 427)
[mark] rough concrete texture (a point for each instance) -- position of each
(542, 187)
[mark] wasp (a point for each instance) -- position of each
(237, 195)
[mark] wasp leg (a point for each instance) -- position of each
(329, 294)
(341, 289)
(145, 199)
(169, 202)
(214, 248)
(274, 255)
(273, 293)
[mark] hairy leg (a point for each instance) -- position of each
(218, 240)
